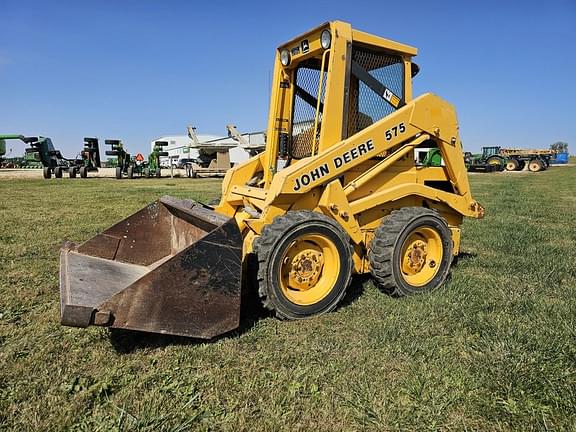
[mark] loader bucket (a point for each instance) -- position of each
(173, 267)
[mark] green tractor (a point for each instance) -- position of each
(433, 158)
(29, 160)
(153, 168)
(488, 161)
(41, 153)
(123, 165)
(42, 149)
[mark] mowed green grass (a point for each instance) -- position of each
(493, 349)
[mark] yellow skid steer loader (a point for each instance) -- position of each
(338, 190)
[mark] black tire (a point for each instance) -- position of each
(497, 162)
(83, 172)
(277, 239)
(72, 172)
(58, 172)
(386, 250)
(130, 172)
(521, 165)
(147, 172)
(158, 173)
(118, 173)
(47, 172)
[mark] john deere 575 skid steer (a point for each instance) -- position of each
(337, 192)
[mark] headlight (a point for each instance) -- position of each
(284, 57)
(326, 39)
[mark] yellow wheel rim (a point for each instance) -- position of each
(309, 269)
(421, 258)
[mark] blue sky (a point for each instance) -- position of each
(136, 70)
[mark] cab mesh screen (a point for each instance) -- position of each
(304, 112)
(365, 106)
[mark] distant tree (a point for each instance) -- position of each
(560, 147)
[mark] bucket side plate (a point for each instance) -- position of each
(196, 293)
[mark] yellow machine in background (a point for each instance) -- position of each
(337, 191)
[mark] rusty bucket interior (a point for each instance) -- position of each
(173, 267)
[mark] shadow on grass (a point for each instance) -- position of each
(252, 311)
(462, 257)
(355, 290)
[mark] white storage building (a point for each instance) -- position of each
(179, 146)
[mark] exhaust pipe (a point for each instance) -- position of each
(174, 267)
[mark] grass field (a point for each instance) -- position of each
(494, 349)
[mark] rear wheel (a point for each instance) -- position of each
(72, 172)
(58, 172)
(411, 251)
(47, 172)
(496, 162)
(130, 172)
(118, 173)
(304, 264)
(535, 165)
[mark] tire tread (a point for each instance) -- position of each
(381, 250)
(271, 234)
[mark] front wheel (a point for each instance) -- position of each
(411, 251)
(72, 172)
(130, 172)
(304, 264)
(83, 172)
(58, 172)
(512, 165)
(47, 172)
(118, 173)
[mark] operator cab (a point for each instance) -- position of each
(365, 80)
